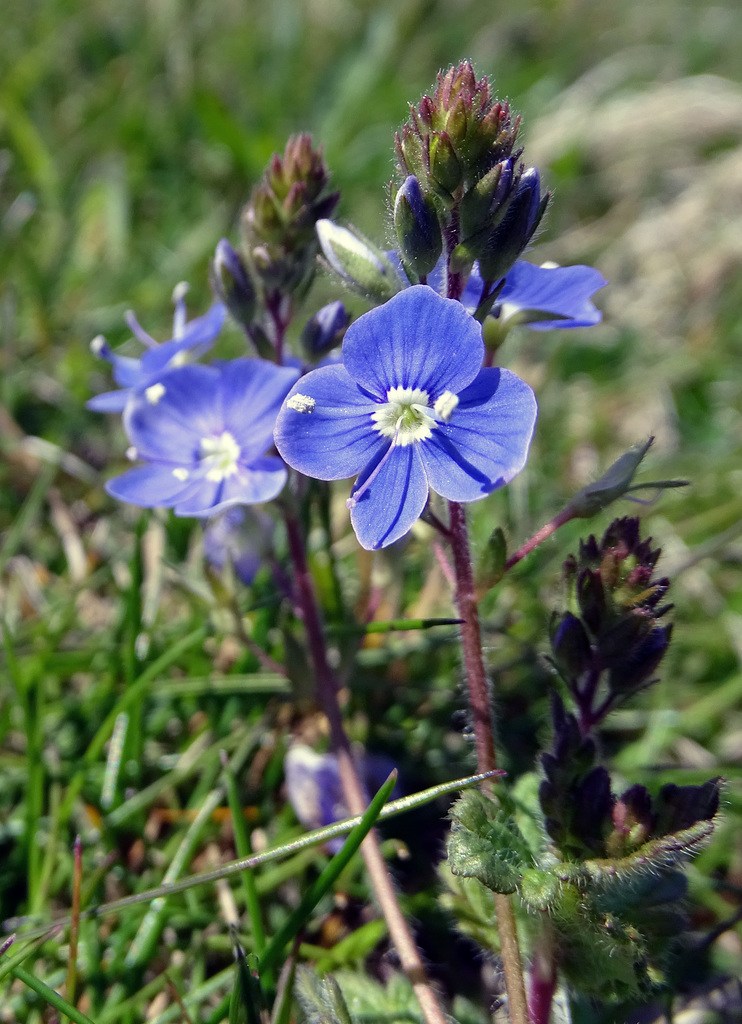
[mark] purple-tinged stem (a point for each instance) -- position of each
(480, 702)
(543, 981)
(353, 795)
(540, 536)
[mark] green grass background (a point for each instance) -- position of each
(130, 134)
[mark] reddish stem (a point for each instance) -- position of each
(353, 794)
(480, 702)
(540, 536)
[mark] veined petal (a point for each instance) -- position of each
(486, 443)
(415, 340)
(167, 417)
(150, 486)
(325, 428)
(394, 499)
(562, 291)
(252, 391)
(250, 485)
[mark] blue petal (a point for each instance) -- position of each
(127, 372)
(200, 333)
(486, 443)
(170, 429)
(252, 391)
(562, 291)
(261, 481)
(337, 438)
(415, 340)
(150, 486)
(109, 401)
(388, 508)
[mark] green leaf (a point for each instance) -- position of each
(321, 1000)
(487, 844)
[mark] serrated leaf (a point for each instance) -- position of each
(486, 844)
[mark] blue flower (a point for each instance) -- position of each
(196, 336)
(203, 433)
(409, 409)
(315, 791)
(531, 295)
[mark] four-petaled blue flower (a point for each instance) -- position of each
(410, 409)
(203, 432)
(194, 337)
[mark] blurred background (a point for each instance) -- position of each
(130, 135)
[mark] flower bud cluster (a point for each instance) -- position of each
(278, 222)
(279, 244)
(463, 181)
(611, 648)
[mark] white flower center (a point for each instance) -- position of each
(408, 416)
(219, 455)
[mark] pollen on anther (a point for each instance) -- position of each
(132, 453)
(154, 393)
(445, 405)
(180, 473)
(301, 403)
(98, 345)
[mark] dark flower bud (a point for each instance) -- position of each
(572, 652)
(325, 330)
(417, 226)
(231, 283)
(511, 236)
(682, 807)
(635, 669)
(592, 599)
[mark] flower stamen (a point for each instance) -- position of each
(220, 456)
(353, 499)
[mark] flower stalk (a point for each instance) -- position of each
(481, 706)
(327, 686)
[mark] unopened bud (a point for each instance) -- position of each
(484, 204)
(361, 265)
(515, 230)
(325, 330)
(231, 283)
(571, 647)
(417, 226)
(614, 483)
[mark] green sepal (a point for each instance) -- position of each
(486, 844)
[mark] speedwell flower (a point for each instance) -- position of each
(542, 297)
(203, 433)
(196, 337)
(410, 409)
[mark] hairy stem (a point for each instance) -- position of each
(480, 702)
(378, 872)
(565, 516)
